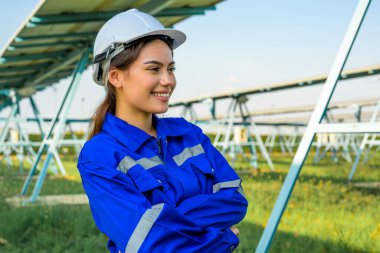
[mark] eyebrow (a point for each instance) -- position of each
(158, 63)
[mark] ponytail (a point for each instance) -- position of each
(107, 105)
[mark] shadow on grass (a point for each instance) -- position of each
(288, 242)
(368, 190)
(281, 175)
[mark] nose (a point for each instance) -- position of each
(168, 79)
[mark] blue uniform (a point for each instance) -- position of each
(173, 193)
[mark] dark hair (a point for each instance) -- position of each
(121, 61)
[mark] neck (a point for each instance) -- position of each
(141, 120)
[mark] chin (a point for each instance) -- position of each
(160, 110)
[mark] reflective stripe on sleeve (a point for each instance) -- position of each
(126, 164)
(227, 184)
(188, 153)
(146, 163)
(143, 227)
(241, 191)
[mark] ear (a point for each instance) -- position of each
(116, 77)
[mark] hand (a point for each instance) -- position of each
(235, 231)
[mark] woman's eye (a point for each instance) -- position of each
(154, 69)
(172, 69)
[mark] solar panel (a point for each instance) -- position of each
(52, 38)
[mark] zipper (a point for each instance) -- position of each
(161, 150)
(159, 146)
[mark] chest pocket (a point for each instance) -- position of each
(204, 174)
(196, 176)
(146, 183)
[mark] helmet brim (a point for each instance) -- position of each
(177, 36)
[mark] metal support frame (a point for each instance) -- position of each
(37, 115)
(346, 143)
(39, 56)
(314, 123)
(287, 143)
(373, 142)
(7, 146)
(10, 118)
(238, 104)
(49, 141)
(23, 138)
(365, 140)
(284, 142)
(56, 36)
(23, 68)
(189, 110)
(58, 43)
(327, 140)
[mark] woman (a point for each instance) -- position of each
(154, 184)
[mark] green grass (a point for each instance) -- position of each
(324, 214)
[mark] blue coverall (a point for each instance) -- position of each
(173, 193)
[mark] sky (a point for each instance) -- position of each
(243, 44)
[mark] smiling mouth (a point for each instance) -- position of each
(164, 95)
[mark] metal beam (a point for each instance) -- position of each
(37, 115)
(71, 18)
(155, 6)
(63, 113)
(353, 73)
(21, 78)
(5, 129)
(24, 67)
(55, 36)
(316, 118)
(349, 128)
(174, 12)
(13, 78)
(51, 44)
(46, 73)
(9, 85)
(63, 107)
(363, 143)
(39, 56)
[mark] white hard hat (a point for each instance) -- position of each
(123, 29)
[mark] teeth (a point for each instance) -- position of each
(165, 95)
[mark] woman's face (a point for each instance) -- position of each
(147, 84)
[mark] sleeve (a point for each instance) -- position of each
(227, 205)
(124, 214)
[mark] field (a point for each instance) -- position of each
(325, 213)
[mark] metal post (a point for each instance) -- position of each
(219, 134)
(77, 73)
(5, 131)
(62, 121)
(22, 137)
(363, 143)
(77, 146)
(318, 113)
(259, 141)
(372, 142)
(37, 115)
(231, 118)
